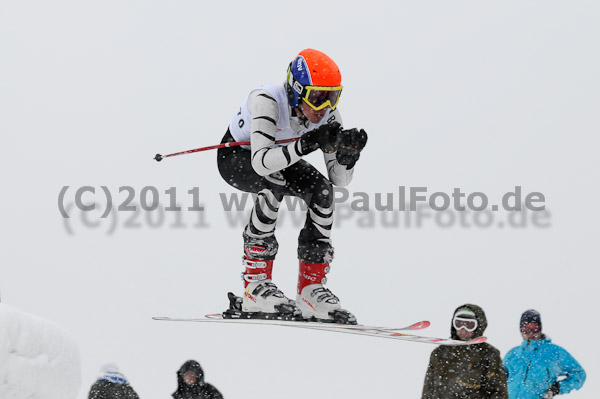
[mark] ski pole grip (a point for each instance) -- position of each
(158, 157)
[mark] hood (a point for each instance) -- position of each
(193, 366)
(479, 315)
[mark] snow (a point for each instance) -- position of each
(38, 359)
(484, 96)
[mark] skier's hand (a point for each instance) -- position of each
(324, 137)
(552, 391)
(350, 143)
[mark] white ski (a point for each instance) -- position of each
(381, 332)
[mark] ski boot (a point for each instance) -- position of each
(262, 299)
(315, 301)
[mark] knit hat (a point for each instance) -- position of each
(465, 312)
(531, 316)
(110, 372)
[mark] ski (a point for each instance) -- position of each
(301, 324)
(380, 332)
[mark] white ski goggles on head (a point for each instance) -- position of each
(460, 323)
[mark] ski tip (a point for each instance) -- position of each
(215, 316)
(420, 325)
(478, 340)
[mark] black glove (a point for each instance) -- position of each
(323, 137)
(349, 145)
(552, 391)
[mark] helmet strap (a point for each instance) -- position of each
(297, 112)
(289, 92)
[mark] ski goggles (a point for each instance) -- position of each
(461, 323)
(531, 328)
(318, 97)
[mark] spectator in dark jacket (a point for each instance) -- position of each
(112, 385)
(467, 371)
(191, 385)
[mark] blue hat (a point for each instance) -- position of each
(110, 372)
(531, 316)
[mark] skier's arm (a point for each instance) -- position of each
(508, 361)
(213, 393)
(575, 375)
(338, 174)
(495, 376)
(430, 376)
(265, 158)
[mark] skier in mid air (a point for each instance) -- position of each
(304, 107)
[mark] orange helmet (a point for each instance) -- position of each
(314, 77)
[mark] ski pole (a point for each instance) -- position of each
(159, 157)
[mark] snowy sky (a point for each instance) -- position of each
(484, 96)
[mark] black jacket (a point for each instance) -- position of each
(466, 372)
(110, 390)
(200, 389)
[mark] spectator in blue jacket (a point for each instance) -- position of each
(538, 368)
